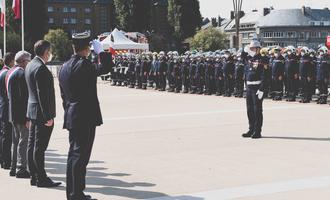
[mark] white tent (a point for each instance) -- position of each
(118, 41)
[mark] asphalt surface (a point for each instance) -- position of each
(166, 146)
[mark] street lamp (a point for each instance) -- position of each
(237, 11)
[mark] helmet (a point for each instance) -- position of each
(304, 49)
(264, 51)
(324, 49)
(255, 44)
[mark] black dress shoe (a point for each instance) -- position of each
(247, 135)
(22, 174)
(47, 183)
(12, 173)
(6, 166)
(33, 181)
(256, 136)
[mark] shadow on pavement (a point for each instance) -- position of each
(297, 138)
(99, 180)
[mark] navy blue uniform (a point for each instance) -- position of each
(307, 78)
(278, 77)
(239, 78)
(78, 84)
(185, 75)
(292, 76)
(131, 73)
(193, 78)
(322, 77)
(255, 76)
(170, 77)
(162, 74)
(218, 76)
(228, 71)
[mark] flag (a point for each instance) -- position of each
(2, 7)
(17, 9)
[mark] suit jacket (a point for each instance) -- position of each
(3, 95)
(78, 84)
(17, 95)
(40, 82)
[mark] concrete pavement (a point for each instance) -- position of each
(165, 146)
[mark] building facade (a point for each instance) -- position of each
(81, 15)
(283, 27)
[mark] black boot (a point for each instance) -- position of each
(248, 134)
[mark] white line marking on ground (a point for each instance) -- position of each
(255, 190)
(191, 113)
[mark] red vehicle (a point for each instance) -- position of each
(328, 43)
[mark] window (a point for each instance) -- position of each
(278, 34)
(88, 21)
(301, 35)
(324, 34)
(65, 20)
(50, 9)
(73, 20)
(65, 9)
(245, 35)
(315, 34)
(268, 34)
(88, 10)
(73, 10)
(51, 21)
(321, 23)
(292, 34)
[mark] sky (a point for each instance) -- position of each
(213, 8)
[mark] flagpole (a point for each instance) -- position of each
(22, 11)
(4, 29)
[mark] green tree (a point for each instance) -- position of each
(124, 13)
(61, 44)
(184, 17)
(209, 39)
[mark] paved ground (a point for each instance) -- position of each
(165, 146)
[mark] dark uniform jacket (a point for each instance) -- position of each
(78, 84)
(40, 83)
(3, 95)
(17, 95)
(255, 70)
(323, 68)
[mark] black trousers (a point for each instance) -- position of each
(292, 87)
(81, 143)
(229, 85)
(239, 85)
(162, 81)
(254, 109)
(323, 86)
(277, 86)
(39, 136)
(5, 142)
(308, 88)
(219, 85)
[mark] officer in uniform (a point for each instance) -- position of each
(305, 75)
(322, 76)
(277, 67)
(291, 74)
(177, 74)
(218, 76)
(78, 84)
(154, 71)
(162, 72)
(200, 74)
(185, 64)
(209, 74)
(192, 75)
(254, 74)
(137, 70)
(228, 71)
(131, 72)
(169, 73)
(268, 72)
(144, 72)
(239, 74)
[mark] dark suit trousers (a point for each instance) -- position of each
(6, 139)
(39, 136)
(254, 109)
(81, 143)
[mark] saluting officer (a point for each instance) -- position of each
(78, 84)
(254, 91)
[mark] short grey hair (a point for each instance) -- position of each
(21, 56)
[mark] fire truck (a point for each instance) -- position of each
(328, 43)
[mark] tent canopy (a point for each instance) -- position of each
(117, 40)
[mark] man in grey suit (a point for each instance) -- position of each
(18, 96)
(41, 112)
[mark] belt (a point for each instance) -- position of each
(253, 82)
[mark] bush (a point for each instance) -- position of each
(61, 44)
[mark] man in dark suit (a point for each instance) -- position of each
(6, 128)
(41, 112)
(18, 97)
(78, 83)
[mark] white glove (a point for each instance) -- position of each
(260, 94)
(97, 46)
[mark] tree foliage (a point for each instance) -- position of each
(61, 44)
(209, 39)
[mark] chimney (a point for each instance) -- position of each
(303, 10)
(219, 21)
(266, 11)
(242, 13)
(214, 22)
(326, 8)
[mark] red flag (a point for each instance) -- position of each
(17, 8)
(2, 7)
